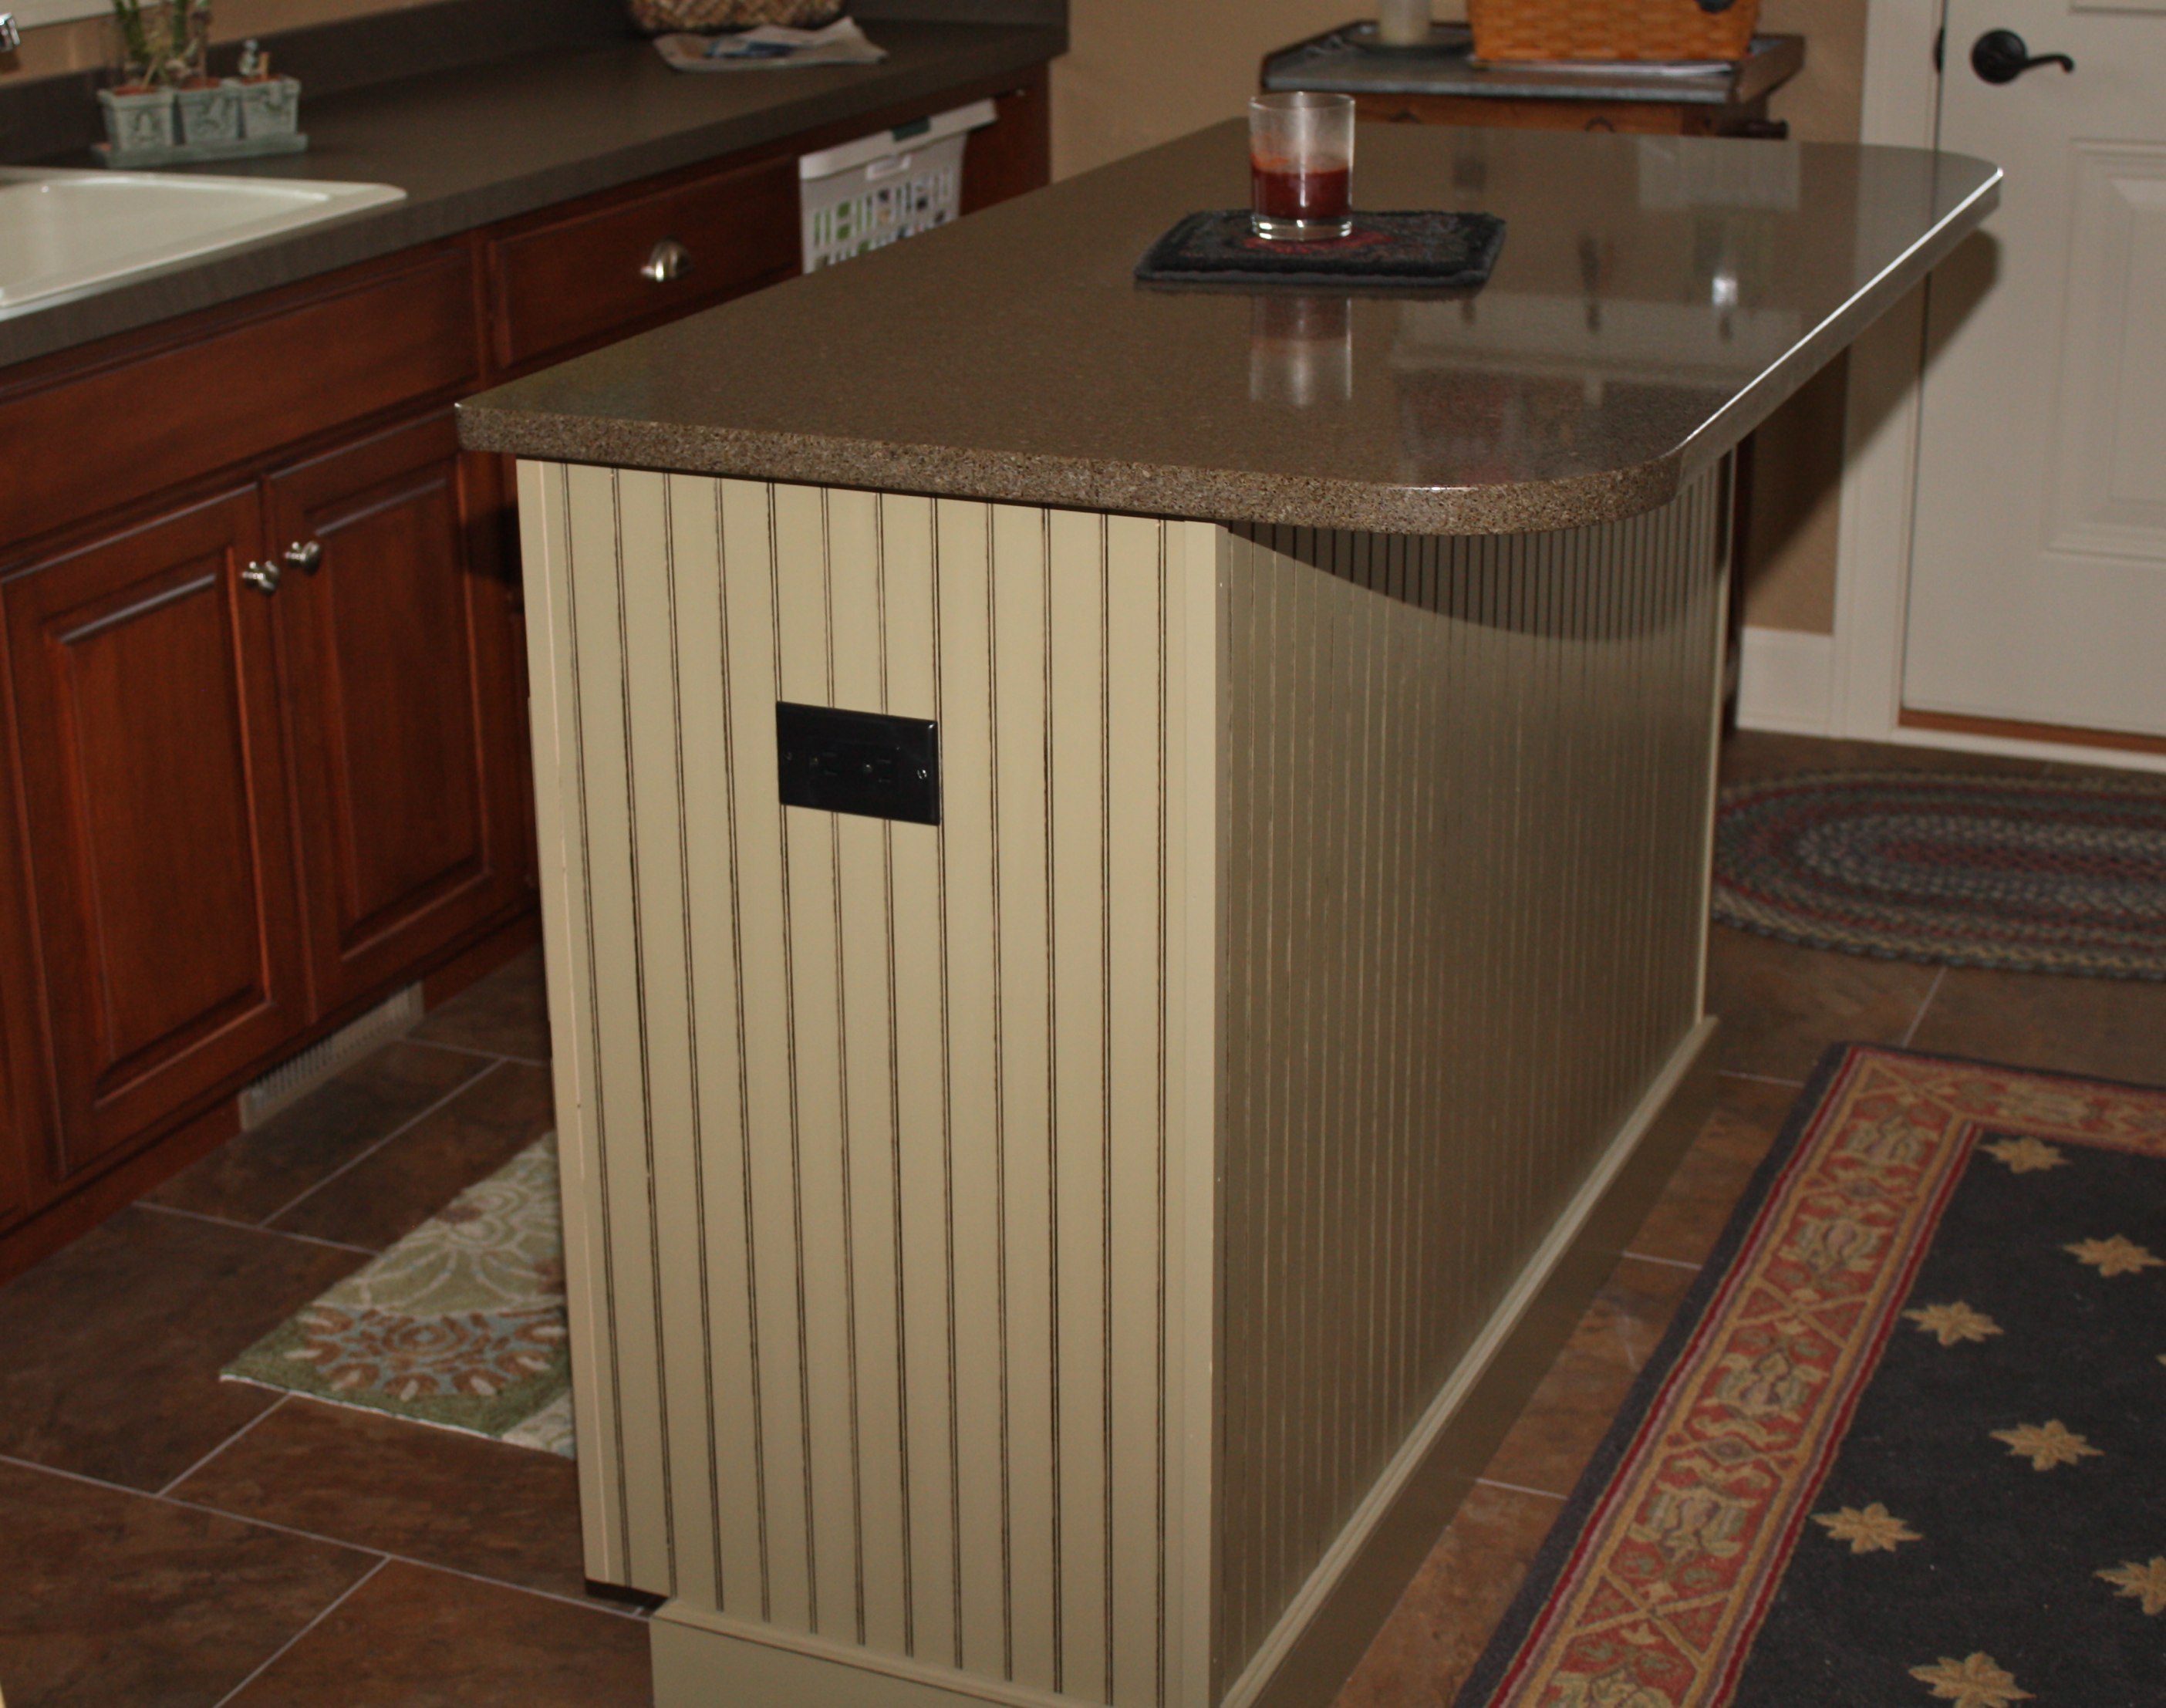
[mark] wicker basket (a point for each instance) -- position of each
(1611, 29)
(660, 17)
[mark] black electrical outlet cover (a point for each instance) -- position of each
(858, 762)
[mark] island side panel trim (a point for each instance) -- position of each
(888, 1180)
(545, 544)
(1465, 784)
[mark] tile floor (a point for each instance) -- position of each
(177, 1541)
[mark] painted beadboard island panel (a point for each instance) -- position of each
(894, 1339)
(1464, 784)
(1027, 1247)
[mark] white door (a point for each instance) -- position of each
(2038, 575)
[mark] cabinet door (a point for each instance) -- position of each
(25, 1159)
(408, 732)
(160, 862)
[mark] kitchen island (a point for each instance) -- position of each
(1069, 1227)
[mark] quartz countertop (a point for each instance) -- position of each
(479, 143)
(1656, 298)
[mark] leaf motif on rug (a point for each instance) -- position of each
(2114, 1256)
(2025, 1156)
(1976, 1681)
(2146, 1583)
(1870, 1529)
(1951, 1324)
(2048, 1446)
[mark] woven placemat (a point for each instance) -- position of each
(1437, 250)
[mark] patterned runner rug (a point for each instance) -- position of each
(2019, 874)
(460, 1325)
(1901, 1444)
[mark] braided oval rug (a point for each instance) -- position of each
(2016, 874)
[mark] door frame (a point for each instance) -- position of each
(1902, 99)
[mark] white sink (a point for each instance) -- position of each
(65, 234)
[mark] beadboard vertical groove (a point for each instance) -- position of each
(872, 1172)
(1017, 1251)
(1464, 848)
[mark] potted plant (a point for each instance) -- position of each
(269, 106)
(167, 94)
(209, 108)
(138, 110)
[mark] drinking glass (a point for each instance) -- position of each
(1403, 23)
(1300, 165)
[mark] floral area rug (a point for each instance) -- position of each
(460, 1325)
(1901, 1444)
(2024, 875)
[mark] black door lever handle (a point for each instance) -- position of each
(2001, 57)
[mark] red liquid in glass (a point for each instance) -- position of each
(1283, 192)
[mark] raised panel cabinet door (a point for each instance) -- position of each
(161, 860)
(408, 727)
(19, 1134)
(26, 1161)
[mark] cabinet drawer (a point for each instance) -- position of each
(574, 280)
(211, 395)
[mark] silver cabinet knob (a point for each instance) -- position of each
(303, 555)
(264, 578)
(11, 37)
(669, 259)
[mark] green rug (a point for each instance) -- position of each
(460, 1325)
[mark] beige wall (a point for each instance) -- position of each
(1143, 72)
(88, 44)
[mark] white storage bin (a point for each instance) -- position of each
(896, 183)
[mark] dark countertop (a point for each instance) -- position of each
(1348, 60)
(1657, 298)
(480, 144)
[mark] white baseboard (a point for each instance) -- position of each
(1786, 682)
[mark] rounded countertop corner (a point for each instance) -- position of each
(1656, 299)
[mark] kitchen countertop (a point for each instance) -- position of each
(480, 144)
(1656, 298)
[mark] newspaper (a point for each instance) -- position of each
(841, 42)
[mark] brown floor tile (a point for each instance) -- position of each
(455, 1500)
(1574, 1406)
(254, 1177)
(112, 1599)
(1442, 1622)
(394, 1189)
(414, 1639)
(2113, 1027)
(506, 1013)
(1695, 1206)
(1782, 1006)
(1753, 755)
(114, 1346)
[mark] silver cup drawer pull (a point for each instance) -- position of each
(669, 259)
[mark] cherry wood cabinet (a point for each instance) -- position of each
(642, 259)
(394, 611)
(154, 788)
(157, 409)
(263, 723)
